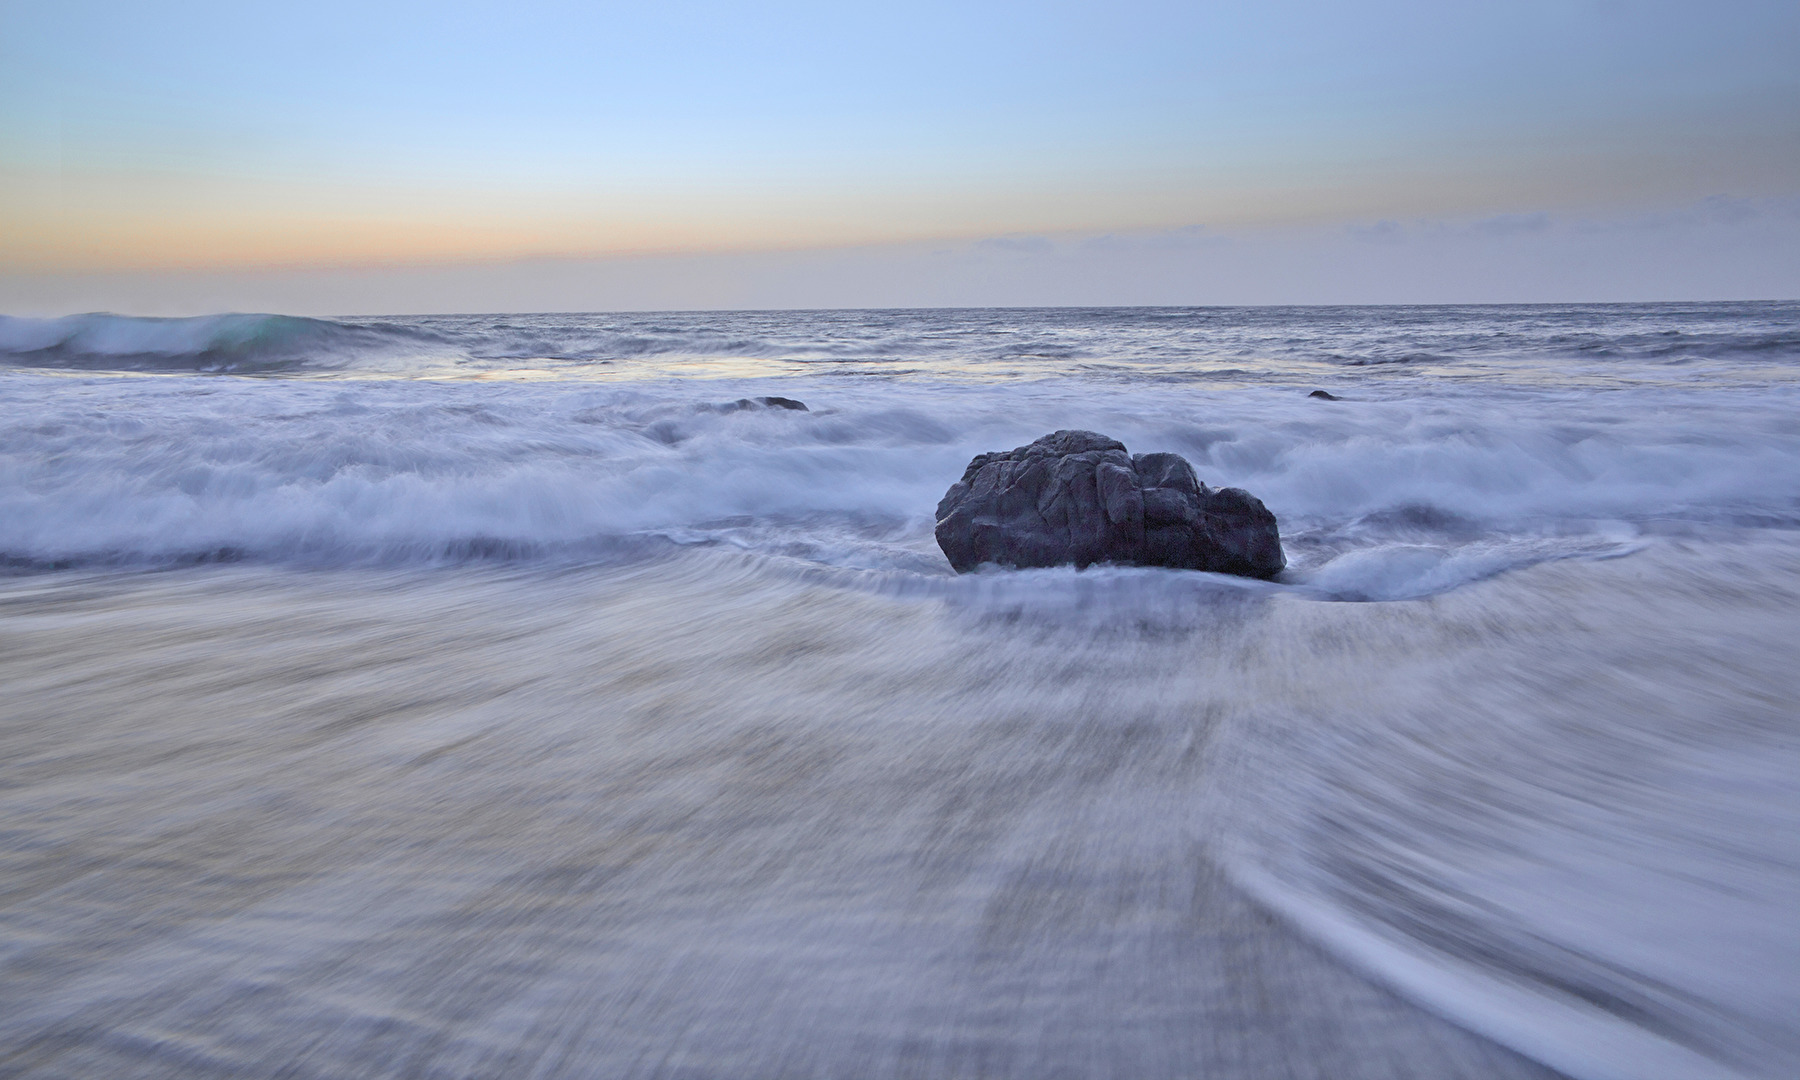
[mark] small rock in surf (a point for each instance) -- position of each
(1077, 498)
(771, 403)
(757, 403)
(1325, 395)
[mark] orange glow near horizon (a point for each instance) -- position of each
(144, 221)
(225, 137)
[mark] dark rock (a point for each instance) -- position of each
(1324, 395)
(759, 403)
(1075, 497)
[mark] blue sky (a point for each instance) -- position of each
(199, 138)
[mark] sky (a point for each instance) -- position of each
(334, 157)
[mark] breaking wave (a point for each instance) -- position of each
(221, 344)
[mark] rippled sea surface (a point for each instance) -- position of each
(501, 696)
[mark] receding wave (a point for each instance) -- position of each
(1573, 829)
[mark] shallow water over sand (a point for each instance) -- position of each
(683, 821)
(700, 818)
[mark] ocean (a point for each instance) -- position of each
(516, 696)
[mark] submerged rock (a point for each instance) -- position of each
(1076, 497)
(768, 403)
(757, 403)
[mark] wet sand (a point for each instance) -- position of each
(678, 820)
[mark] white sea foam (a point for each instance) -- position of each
(1397, 496)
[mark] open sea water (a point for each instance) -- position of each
(491, 696)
